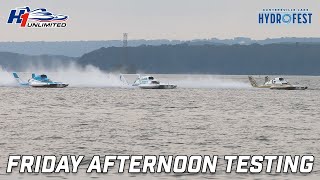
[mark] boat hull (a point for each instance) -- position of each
(149, 86)
(288, 88)
(158, 86)
(50, 86)
(167, 86)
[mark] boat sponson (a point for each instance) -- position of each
(167, 86)
(288, 88)
(52, 86)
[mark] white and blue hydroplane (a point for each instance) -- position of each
(39, 81)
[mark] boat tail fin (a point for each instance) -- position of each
(123, 79)
(266, 79)
(253, 81)
(16, 76)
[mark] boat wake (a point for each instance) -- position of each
(88, 76)
(91, 76)
(72, 74)
(211, 82)
(6, 78)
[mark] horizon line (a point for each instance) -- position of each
(182, 40)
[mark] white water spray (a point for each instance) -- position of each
(88, 76)
(6, 79)
(210, 81)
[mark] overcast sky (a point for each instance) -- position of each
(158, 19)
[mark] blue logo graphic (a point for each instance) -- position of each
(41, 15)
(285, 16)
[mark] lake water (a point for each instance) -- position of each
(205, 115)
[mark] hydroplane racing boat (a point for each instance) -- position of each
(40, 81)
(278, 83)
(149, 82)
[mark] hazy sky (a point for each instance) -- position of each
(158, 19)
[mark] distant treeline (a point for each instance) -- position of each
(284, 59)
(78, 48)
(20, 62)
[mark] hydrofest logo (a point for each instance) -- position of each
(285, 16)
(38, 18)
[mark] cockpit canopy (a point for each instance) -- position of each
(146, 80)
(279, 80)
(150, 78)
(42, 78)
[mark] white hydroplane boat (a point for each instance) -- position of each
(149, 82)
(276, 83)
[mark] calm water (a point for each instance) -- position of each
(228, 118)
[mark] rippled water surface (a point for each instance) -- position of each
(230, 119)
